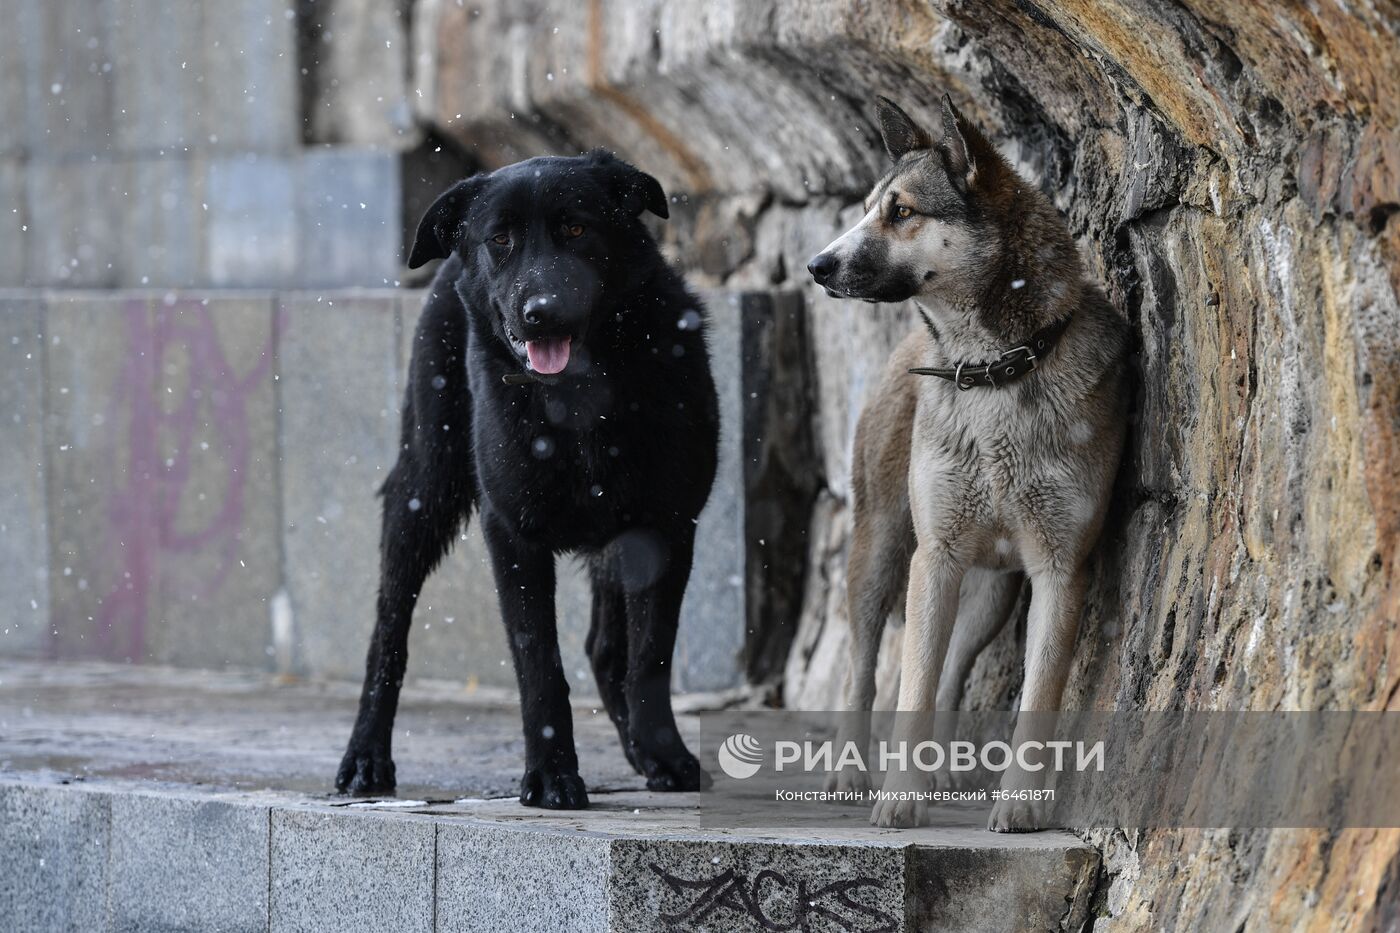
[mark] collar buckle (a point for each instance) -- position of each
(1023, 348)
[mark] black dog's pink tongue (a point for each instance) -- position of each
(548, 356)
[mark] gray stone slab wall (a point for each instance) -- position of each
(250, 76)
(351, 231)
(162, 493)
(187, 863)
(200, 457)
(539, 882)
(368, 871)
(55, 841)
(73, 209)
(338, 391)
(218, 497)
(165, 223)
(149, 144)
(159, 89)
(252, 228)
(24, 586)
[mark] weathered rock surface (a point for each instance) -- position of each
(1232, 172)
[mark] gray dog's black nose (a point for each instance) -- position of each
(822, 267)
(536, 308)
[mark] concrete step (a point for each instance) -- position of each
(143, 798)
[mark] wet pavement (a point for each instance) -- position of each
(250, 732)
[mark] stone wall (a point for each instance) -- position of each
(1231, 171)
(191, 479)
(1232, 174)
(151, 144)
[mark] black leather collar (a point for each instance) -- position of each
(1010, 366)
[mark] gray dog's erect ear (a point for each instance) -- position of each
(899, 131)
(634, 189)
(440, 230)
(961, 164)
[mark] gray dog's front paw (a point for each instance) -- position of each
(900, 814)
(849, 781)
(1018, 816)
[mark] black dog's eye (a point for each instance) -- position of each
(903, 213)
(501, 239)
(573, 230)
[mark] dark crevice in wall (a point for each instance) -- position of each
(310, 29)
(781, 481)
(426, 171)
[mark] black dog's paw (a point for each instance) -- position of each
(553, 789)
(674, 772)
(365, 772)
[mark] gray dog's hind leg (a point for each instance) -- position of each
(876, 574)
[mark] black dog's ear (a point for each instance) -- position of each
(899, 131)
(634, 189)
(440, 230)
(956, 155)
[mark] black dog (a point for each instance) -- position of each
(560, 385)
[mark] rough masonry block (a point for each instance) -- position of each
(66, 48)
(251, 233)
(482, 872)
(1000, 888)
(24, 587)
(251, 102)
(187, 864)
(369, 871)
(359, 79)
(685, 884)
(14, 76)
(73, 208)
(55, 844)
(338, 385)
(158, 79)
(217, 444)
(89, 430)
(163, 220)
(14, 222)
(163, 500)
(352, 228)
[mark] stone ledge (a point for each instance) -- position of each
(145, 798)
(128, 856)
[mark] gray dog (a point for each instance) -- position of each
(994, 457)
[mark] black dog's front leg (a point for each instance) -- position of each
(654, 576)
(525, 586)
(419, 521)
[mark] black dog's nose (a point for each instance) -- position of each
(536, 308)
(823, 266)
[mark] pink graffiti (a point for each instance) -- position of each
(160, 416)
